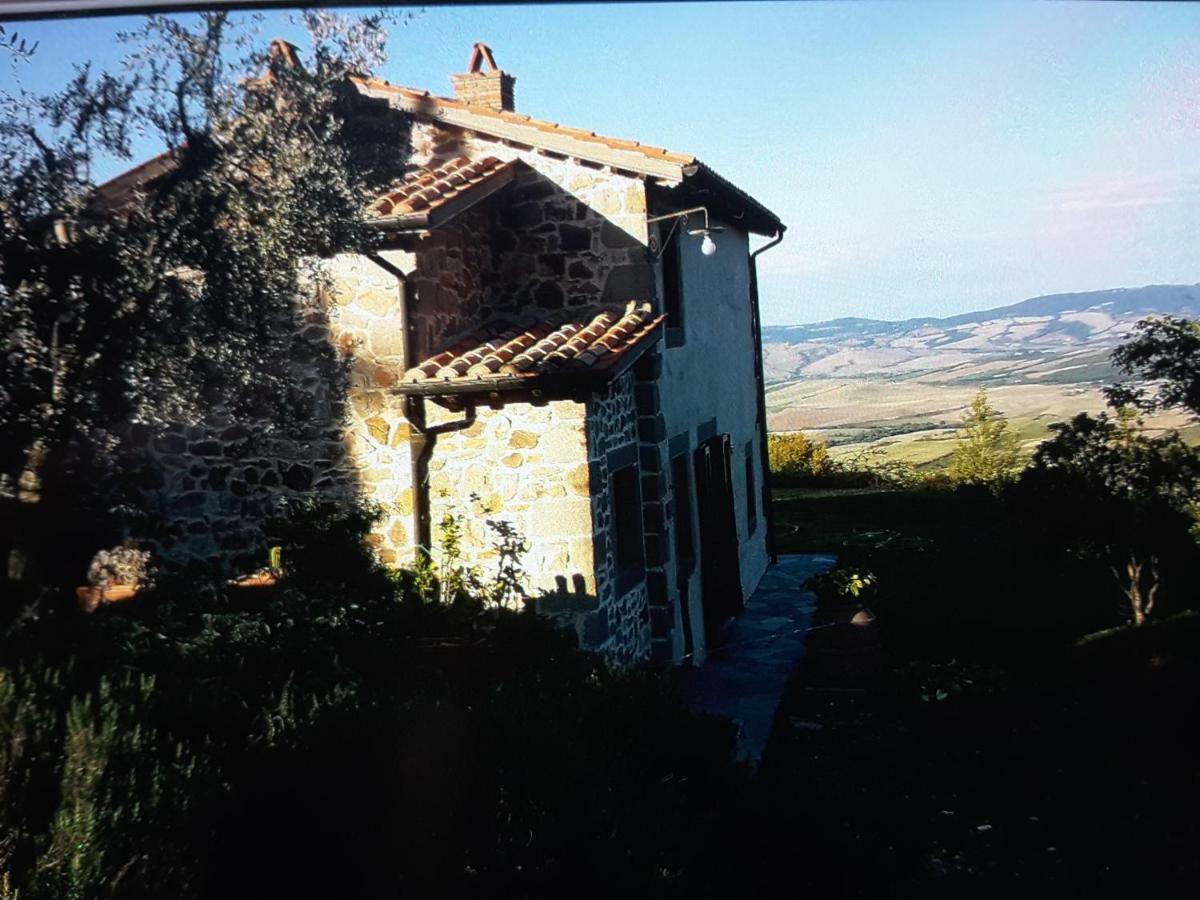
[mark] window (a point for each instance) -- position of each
(627, 526)
(685, 539)
(672, 276)
(751, 491)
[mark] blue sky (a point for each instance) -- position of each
(928, 158)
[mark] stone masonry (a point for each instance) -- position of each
(564, 233)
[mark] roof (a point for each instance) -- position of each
(668, 168)
(656, 162)
(577, 344)
(118, 192)
(423, 102)
(431, 195)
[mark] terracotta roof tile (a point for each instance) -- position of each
(520, 119)
(539, 347)
(425, 190)
(460, 175)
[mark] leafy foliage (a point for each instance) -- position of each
(162, 299)
(1104, 487)
(841, 583)
(16, 46)
(794, 456)
(121, 565)
(342, 736)
(1109, 490)
(1164, 350)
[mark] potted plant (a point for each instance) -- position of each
(115, 575)
(268, 576)
(844, 639)
(841, 593)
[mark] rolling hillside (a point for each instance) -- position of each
(906, 384)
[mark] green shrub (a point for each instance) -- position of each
(872, 467)
(30, 725)
(126, 797)
(793, 457)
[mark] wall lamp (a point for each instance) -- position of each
(707, 246)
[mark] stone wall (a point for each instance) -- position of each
(366, 325)
(524, 465)
(449, 286)
(543, 470)
(621, 624)
(214, 484)
(563, 233)
(561, 239)
(656, 503)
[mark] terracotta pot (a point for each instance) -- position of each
(91, 598)
(257, 580)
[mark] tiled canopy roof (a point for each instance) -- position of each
(435, 193)
(579, 341)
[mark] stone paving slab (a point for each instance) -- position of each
(744, 678)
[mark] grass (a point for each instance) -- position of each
(991, 753)
(915, 418)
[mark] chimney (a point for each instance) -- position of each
(492, 88)
(286, 51)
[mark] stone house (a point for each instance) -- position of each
(546, 343)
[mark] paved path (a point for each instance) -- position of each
(744, 679)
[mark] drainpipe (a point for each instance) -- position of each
(760, 380)
(414, 413)
(422, 445)
(421, 438)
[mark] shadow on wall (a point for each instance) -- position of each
(542, 243)
(571, 605)
(567, 242)
(211, 486)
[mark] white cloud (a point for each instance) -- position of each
(1129, 192)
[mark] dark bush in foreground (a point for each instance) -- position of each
(339, 737)
(356, 749)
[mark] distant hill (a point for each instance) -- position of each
(1051, 329)
(857, 380)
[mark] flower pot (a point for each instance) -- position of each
(91, 598)
(257, 580)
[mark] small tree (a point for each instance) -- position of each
(987, 453)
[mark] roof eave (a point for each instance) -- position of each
(674, 172)
(754, 217)
(528, 135)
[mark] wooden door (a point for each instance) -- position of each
(685, 548)
(720, 570)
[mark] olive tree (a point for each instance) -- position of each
(157, 298)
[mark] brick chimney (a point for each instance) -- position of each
(492, 88)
